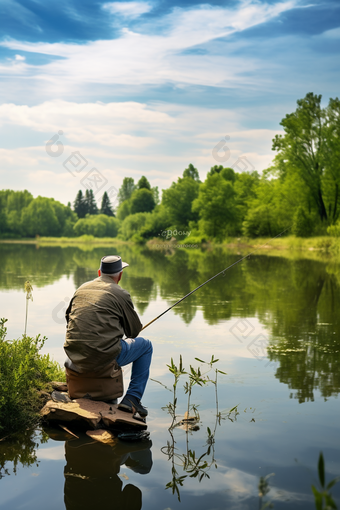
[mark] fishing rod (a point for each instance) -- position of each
(212, 278)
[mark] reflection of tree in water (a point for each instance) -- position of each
(92, 474)
(21, 261)
(298, 306)
(82, 275)
(143, 290)
(20, 449)
(296, 299)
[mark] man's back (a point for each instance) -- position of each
(98, 316)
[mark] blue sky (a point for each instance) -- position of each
(147, 87)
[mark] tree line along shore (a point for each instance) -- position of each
(298, 195)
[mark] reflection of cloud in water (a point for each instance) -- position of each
(54, 453)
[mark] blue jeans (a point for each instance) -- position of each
(137, 351)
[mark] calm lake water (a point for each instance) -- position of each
(272, 322)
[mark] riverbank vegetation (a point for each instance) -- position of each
(298, 195)
(24, 376)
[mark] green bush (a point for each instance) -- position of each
(260, 222)
(98, 225)
(334, 230)
(23, 372)
(302, 223)
(131, 227)
(156, 223)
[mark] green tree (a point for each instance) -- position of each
(332, 168)
(40, 218)
(229, 174)
(126, 189)
(124, 209)
(79, 206)
(216, 206)
(302, 223)
(155, 223)
(142, 200)
(143, 183)
(270, 211)
(192, 173)
(132, 225)
(90, 202)
(308, 148)
(216, 169)
(178, 200)
(3, 212)
(17, 200)
(13, 204)
(106, 207)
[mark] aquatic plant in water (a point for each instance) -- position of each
(323, 498)
(29, 296)
(194, 466)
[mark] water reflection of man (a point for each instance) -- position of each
(98, 316)
(91, 474)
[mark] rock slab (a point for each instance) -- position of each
(96, 414)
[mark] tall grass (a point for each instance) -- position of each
(23, 372)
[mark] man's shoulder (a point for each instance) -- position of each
(105, 285)
(90, 283)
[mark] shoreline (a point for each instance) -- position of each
(325, 245)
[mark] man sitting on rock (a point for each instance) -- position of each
(98, 316)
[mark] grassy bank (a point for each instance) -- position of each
(67, 241)
(320, 243)
(287, 243)
(325, 244)
(24, 375)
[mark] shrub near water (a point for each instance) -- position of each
(23, 371)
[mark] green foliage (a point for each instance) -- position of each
(23, 371)
(99, 225)
(143, 183)
(124, 209)
(217, 169)
(216, 207)
(90, 202)
(155, 223)
(310, 149)
(323, 498)
(79, 205)
(106, 207)
(142, 200)
(193, 465)
(334, 230)
(178, 200)
(44, 217)
(259, 222)
(302, 223)
(229, 174)
(192, 173)
(132, 225)
(126, 189)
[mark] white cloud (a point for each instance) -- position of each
(146, 58)
(334, 33)
(128, 9)
(123, 139)
(111, 124)
(52, 453)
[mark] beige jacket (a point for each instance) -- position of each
(98, 316)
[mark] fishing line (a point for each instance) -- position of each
(212, 278)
